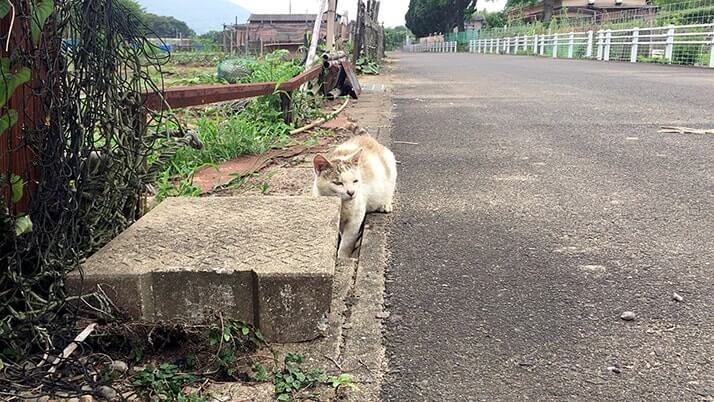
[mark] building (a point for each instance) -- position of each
(475, 24)
(268, 32)
(599, 10)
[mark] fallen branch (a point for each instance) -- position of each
(333, 362)
(406, 142)
(72, 346)
(685, 130)
(322, 121)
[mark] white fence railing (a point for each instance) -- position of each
(434, 47)
(678, 44)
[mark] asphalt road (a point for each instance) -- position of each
(539, 205)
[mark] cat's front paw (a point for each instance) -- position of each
(387, 209)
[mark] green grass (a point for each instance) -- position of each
(226, 135)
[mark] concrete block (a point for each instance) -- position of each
(265, 260)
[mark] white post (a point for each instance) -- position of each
(555, 46)
(633, 47)
(670, 43)
(599, 44)
(571, 43)
(542, 44)
(589, 50)
(498, 45)
(608, 39)
(508, 45)
(535, 44)
(491, 45)
(711, 52)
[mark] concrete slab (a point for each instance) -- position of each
(269, 261)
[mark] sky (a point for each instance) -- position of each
(391, 12)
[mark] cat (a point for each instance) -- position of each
(363, 173)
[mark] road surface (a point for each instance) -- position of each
(539, 205)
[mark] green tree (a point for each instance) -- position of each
(495, 19)
(133, 7)
(164, 27)
(427, 16)
(159, 25)
(395, 37)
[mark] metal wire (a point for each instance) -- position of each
(83, 156)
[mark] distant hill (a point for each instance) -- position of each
(201, 16)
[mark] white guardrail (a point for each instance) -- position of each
(652, 43)
(435, 47)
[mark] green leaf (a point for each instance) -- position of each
(8, 120)
(245, 330)
(23, 225)
(5, 64)
(283, 397)
(20, 77)
(41, 13)
(4, 9)
(2, 364)
(17, 185)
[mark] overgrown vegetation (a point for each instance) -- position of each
(227, 132)
(394, 38)
(228, 350)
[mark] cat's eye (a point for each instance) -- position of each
(337, 183)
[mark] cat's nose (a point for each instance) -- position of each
(351, 193)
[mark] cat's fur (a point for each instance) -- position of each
(363, 173)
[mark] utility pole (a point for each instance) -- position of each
(331, 16)
(290, 6)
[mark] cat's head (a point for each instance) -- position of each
(338, 177)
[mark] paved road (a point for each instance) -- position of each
(539, 205)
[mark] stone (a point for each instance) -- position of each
(119, 366)
(676, 297)
(269, 261)
(628, 316)
(107, 392)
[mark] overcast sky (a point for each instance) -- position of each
(391, 11)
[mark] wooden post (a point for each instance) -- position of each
(315, 35)
(331, 16)
(286, 106)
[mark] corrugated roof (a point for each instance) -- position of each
(282, 18)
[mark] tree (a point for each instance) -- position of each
(395, 37)
(164, 27)
(133, 8)
(427, 16)
(493, 19)
(158, 25)
(548, 10)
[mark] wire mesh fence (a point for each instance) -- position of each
(677, 33)
(76, 143)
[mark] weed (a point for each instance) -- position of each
(261, 373)
(234, 337)
(292, 381)
(164, 383)
(263, 187)
(226, 135)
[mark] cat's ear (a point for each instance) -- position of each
(354, 159)
(320, 163)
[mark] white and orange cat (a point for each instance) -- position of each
(363, 173)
